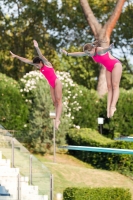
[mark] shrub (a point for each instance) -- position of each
(96, 194)
(13, 110)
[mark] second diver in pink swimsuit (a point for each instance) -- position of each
(47, 70)
(113, 71)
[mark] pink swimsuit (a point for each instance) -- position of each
(49, 74)
(106, 61)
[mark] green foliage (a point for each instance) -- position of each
(86, 137)
(14, 112)
(127, 79)
(108, 161)
(82, 104)
(18, 31)
(122, 119)
(122, 38)
(96, 194)
(89, 112)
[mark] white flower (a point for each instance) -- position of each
(78, 127)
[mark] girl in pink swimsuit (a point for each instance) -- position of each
(113, 71)
(47, 70)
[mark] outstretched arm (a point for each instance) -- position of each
(76, 54)
(22, 59)
(40, 54)
(104, 50)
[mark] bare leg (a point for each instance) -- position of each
(110, 92)
(58, 99)
(52, 91)
(116, 77)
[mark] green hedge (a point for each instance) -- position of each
(108, 161)
(96, 194)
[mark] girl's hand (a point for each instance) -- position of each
(111, 46)
(63, 51)
(13, 55)
(35, 43)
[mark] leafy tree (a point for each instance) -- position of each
(23, 24)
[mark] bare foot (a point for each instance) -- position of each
(57, 123)
(112, 110)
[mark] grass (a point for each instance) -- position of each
(71, 172)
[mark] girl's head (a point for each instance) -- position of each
(38, 61)
(88, 47)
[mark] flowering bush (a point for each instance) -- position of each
(71, 94)
(37, 96)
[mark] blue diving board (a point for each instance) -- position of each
(128, 139)
(98, 149)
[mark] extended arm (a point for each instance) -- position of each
(76, 54)
(22, 59)
(45, 61)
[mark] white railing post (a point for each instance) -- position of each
(30, 170)
(12, 152)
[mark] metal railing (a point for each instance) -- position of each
(29, 165)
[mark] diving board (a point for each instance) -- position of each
(98, 149)
(128, 139)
